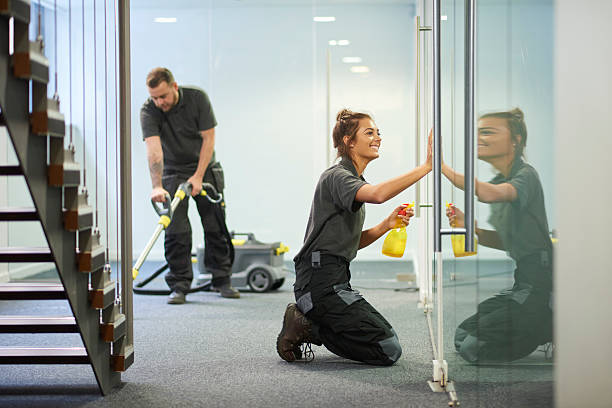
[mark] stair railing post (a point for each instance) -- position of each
(125, 172)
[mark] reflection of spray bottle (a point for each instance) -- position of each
(458, 241)
(395, 242)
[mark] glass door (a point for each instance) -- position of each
(491, 311)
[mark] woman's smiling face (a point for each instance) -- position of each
(494, 139)
(367, 140)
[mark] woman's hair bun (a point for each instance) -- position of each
(344, 114)
(517, 113)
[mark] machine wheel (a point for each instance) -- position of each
(278, 284)
(260, 280)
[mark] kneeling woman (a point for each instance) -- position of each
(328, 311)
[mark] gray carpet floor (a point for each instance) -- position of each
(215, 352)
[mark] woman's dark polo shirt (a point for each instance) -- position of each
(336, 219)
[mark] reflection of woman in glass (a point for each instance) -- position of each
(328, 311)
(513, 323)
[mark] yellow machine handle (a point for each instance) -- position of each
(282, 249)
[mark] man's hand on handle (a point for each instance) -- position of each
(158, 195)
(196, 184)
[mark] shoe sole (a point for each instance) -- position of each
(232, 296)
(292, 353)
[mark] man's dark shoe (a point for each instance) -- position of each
(176, 298)
(296, 330)
(227, 291)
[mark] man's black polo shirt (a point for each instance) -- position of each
(179, 128)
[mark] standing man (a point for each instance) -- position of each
(178, 127)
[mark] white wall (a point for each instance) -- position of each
(583, 102)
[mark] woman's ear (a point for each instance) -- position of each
(519, 140)
(346, 139)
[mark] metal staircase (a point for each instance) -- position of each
(53, 178)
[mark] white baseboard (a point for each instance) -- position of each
(4, 276)
(24, 272)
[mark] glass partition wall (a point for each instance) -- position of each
(277, 73)
(495, 305)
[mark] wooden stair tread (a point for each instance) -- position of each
(38, 324)
(31, 64)
(18, 214)
(43, 355)
(10, 171)
(26, 254)
(20, 9)
(32, 291)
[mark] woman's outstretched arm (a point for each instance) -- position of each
(486, 192)
(381, 192)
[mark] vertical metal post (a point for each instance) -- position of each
(328, 108)
(440, 301)
(417, 109)
(125, 167)
(437, 126)
(440, 373)
(470, 18)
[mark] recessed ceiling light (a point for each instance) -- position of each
(165, 19)
(360, 69)
(339, 42)
(324, 19)
(444, 18)
(351, 60)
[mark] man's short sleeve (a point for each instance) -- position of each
(523, 182)
(206, 116)
(343, 187)
(150, 121)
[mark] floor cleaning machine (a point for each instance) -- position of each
(256, 265)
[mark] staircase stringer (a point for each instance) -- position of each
(31, 151)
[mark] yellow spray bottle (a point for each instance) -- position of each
(458, 241)
(395, 242)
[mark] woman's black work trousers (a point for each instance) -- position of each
(343, 321)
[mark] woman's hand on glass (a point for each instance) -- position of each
(429, 160)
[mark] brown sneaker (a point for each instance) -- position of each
(295, 331)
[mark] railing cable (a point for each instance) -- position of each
(70, 65)
(107, 234)
(117, 198)
(95, 63)
(55, 95)
(84, 128)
